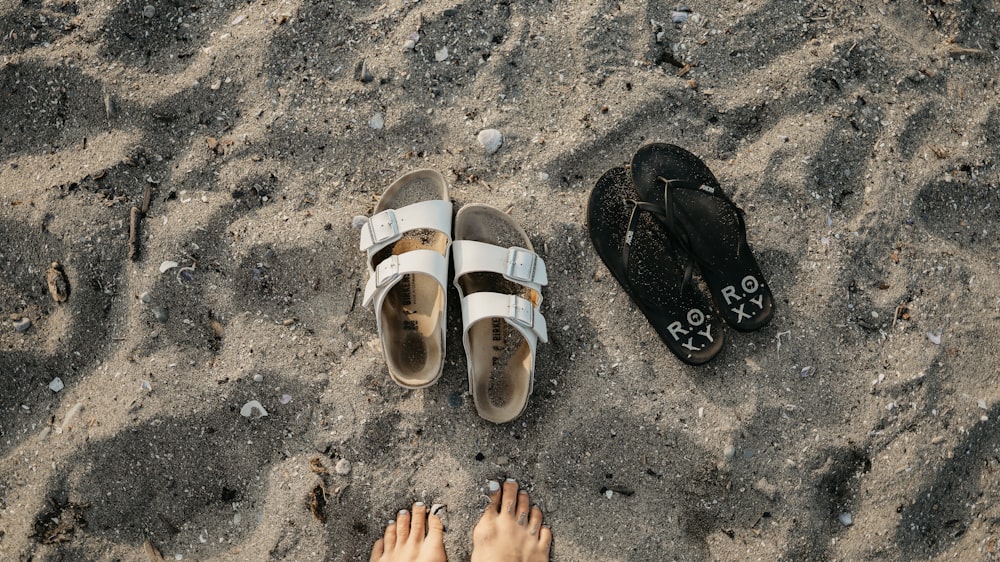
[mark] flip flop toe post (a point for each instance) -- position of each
(408, 242)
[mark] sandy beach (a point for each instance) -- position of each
(179, 188)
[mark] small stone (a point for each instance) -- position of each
(160, 313)
(729, 452)
(343, 467)
(258, 378)
(252, 406)
(846, 519)
(56, 385)
(409, 45)
(146, 298)
(480, 457)
(935, 338)
(362, 73)
(22, 325)
(168, 265)
(609, 494)
(490, 139)
(807, 371)
(285, 398)
(359, 222)
(455, 400)
(441, 54)
(377, 121)
(149, 11)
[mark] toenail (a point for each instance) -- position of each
(403, 512)
(494, 485)
(391, 522)
(523, 492)
(419, 504)
(511, 480)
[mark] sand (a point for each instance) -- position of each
(861, 139)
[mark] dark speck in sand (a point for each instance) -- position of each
(455, 400)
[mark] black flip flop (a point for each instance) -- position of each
(687, 199)
(637, 250)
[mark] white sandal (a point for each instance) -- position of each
(499, 278)
(408, 240)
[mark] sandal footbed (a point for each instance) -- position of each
(413, 310)
(500, 357)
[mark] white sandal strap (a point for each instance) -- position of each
(392, 269)
(388, 226)
(515, 264)
(518, 311)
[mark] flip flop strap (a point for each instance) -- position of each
(680, 238)
(673, 224)
(392, 270)
(390, 225)
(519, 312)
(516, 264)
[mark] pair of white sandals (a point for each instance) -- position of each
(497, 273)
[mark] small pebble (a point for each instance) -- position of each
(343, 467)
(729, 452)
(441, 54)
(359, 222)
(250, 407)
(490, 139)
(167, 266)
(409, 45)
(609, 494)
(160, 313)
(285, 398)
(362, 73)
(934, 338)
(455, 400)
(258, 378)
(149, 11)
(146, 386)
(22, 325)
(146, 297)
(807, 371)
(56, 385)
(377, 121)
(846, 519)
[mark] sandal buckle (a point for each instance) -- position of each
(387, 271)
(521, 311)
(521, 265)
(383, 226)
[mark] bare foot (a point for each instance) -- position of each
(511, 528)
(416, 537)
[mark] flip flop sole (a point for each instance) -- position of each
(711, 227)
(649, 270)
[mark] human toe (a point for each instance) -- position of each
(510, 495)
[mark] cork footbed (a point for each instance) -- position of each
(500, 357)
(412, 314)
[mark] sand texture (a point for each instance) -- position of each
(861, 138)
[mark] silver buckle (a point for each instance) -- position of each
(521, 311)
(521, 265)
(387, 271)
(383, 226)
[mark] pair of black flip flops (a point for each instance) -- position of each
(657, 219)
